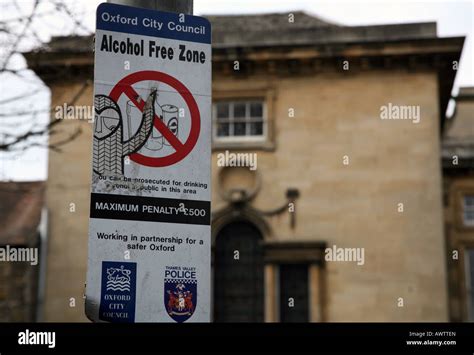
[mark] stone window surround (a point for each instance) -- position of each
(470, 222)
(232, 120)
(268, 96)
(309, 253)
(459, 195)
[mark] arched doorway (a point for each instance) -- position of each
(238, 282)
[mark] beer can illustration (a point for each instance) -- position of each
(170, 119)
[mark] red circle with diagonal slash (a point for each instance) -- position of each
(124, 86)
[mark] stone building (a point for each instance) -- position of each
(458, 171)
(22, 233)
(306, 96)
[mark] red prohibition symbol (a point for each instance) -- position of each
(124, 86)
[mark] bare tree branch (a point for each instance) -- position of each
(24, 113)
(19, 97)
(21, 19)
(55, 146)
(62, 142)
(45, 130)
(78, 23)
(18, 30)
(20, 36)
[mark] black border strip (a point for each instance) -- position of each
(139, 208)
(314, 338)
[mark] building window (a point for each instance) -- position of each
(294, 293)
(239, 121)
(470, 283)
(468, 210)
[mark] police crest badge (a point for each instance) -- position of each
(180, 287)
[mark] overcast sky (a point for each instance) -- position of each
(454, 18)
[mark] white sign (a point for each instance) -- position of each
(149, 231)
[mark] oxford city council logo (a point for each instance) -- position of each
(180, 285)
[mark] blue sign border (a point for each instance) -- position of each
(160, 16)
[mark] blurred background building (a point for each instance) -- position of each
(23, 224)
(306, 97)
(458, 171)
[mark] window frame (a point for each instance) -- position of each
(247, 119)
(223, 90)
(459, 190)
(465, 208)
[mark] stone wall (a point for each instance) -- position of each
(18, 291)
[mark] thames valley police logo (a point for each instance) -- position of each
(180, 292)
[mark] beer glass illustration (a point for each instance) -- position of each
(170, 119)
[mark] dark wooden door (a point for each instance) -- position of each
(294, 285)
(238, 283)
